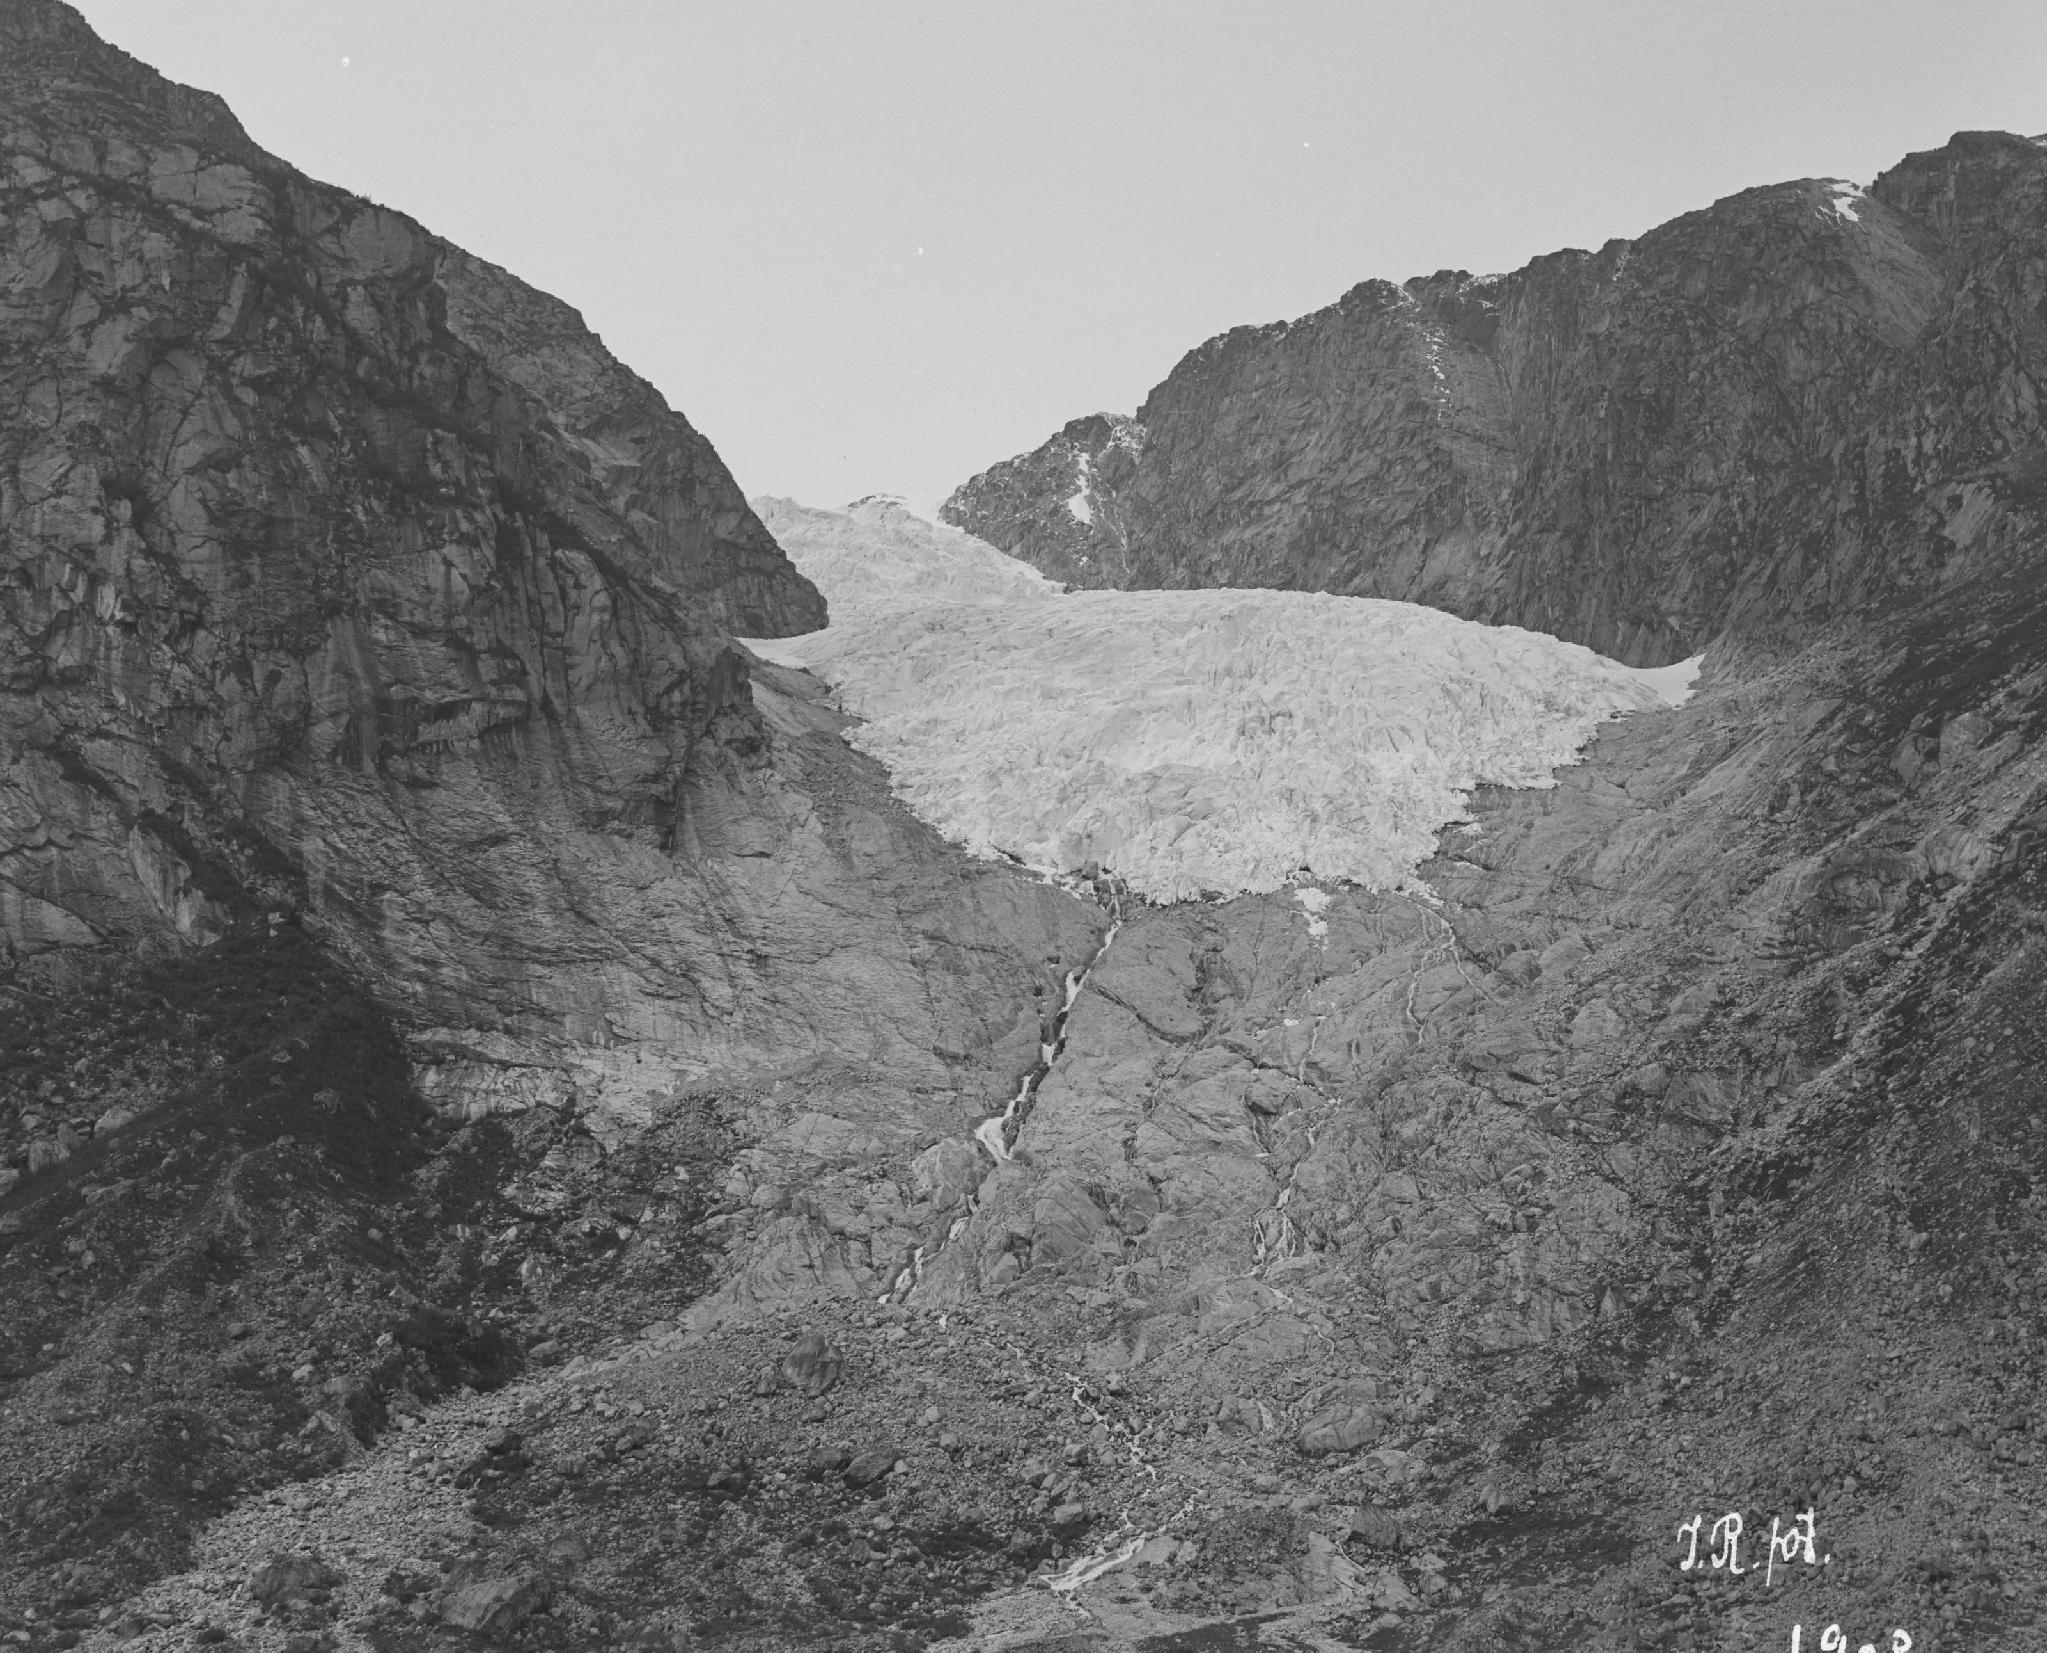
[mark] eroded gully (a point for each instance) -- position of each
(998, 1133)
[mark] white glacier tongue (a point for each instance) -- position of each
(1197, 742)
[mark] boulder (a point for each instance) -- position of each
(495, 1605)
(946, 1173)
(1346, 1419)
(44, 1154)
(1651, 1079)
(868, 1467)
(569, 1549)
(291, 1575)
(813, 1365)
(1596, 1024)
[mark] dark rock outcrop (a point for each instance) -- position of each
(1680, 1142)
(1060, 506)
(1803, 402)
(495, 1605)
(372, 733)
(343, 574)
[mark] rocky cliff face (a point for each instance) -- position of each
(1409, 1265)
(1060, 506)
(345, 575)
(1806, 401)
(365, 637)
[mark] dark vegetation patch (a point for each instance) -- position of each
(242, 1282)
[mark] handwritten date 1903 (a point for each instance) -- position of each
(1833, 1641)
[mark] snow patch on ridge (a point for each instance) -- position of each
(1077, 503)
(1842, 198)
(1197, 742)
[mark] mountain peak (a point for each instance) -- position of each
(1717, 425)
(54, 65)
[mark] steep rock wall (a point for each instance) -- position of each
(1804, 402)
(342, 574)
(1060, 506)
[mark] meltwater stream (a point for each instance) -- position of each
(998, 1132)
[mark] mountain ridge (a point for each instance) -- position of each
(1627, 448)
(510, 1133)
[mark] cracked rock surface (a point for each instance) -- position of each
(345, 576)
(1780, 410)
(494, 1093)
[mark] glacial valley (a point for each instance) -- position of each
(1319, 1049)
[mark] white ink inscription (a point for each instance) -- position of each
(1832, 1640)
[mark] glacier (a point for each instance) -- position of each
(1197, 743)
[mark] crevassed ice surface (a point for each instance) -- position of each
(1197, 742)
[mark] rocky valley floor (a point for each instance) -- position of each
(1385, 1271)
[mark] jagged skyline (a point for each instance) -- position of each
(736, 197)
(514, 1134)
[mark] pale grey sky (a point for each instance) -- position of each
(874, 245)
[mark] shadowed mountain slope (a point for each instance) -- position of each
(1807, 401)
(511, 1134)
(343, 574)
